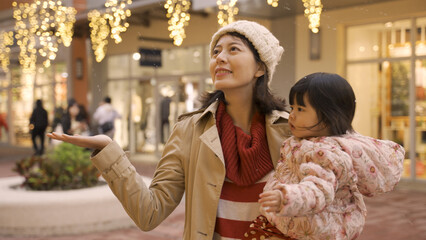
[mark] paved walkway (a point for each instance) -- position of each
(398, 215)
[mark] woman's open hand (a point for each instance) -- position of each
(97, 142)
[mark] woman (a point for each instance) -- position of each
(219, 156)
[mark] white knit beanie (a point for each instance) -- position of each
(266, 44)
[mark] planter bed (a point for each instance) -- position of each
(50, 213)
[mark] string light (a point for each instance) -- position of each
(99, 31)
(227, 11)
(55, 26)
(6, 40)
(313, 9)
(178, 15)
(66, 20)
(26, 27)
(46, 22)
(116, 15)
(101, 25)
(273, 3)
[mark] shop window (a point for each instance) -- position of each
(367, 88)
(364, 42)
(178, 61)
(118, 66)
(138, 71)
(382, 54)
(386, 40)
(60, 77)
(4, 80)
(154, 97)
(396, 38)
(47, 84)
(421, 37)
(396, 105)
(420, 109)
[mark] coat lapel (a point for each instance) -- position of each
(210, 137)
(212, 141)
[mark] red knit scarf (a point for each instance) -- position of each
(247, 158)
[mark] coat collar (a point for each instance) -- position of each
(274, 117)
(211, 109)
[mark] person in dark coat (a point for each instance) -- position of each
(38, 125)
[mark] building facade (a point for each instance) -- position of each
(379, 48)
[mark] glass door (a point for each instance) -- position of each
(396, 79)
(420, 109)
(367, 88)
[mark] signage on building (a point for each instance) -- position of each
(203, 4)
(150, 57)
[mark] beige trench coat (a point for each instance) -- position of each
(192, 163)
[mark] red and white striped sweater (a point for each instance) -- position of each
(238, 207)
(248, 165)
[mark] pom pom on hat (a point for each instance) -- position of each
(266, 44)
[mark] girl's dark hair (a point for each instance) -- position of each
(332, 98)
(263, 99)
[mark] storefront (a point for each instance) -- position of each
(150, 98)
(18, 93)
(386, 65)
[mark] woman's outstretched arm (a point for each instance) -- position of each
(97, 142)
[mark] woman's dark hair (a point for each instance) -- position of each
(332, 98)
(263, 99)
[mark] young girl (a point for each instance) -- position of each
(325, 168)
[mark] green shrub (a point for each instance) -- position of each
(66, 167)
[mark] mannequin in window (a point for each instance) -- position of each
(165, 113)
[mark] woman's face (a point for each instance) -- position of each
(233, 65)
(304, 120)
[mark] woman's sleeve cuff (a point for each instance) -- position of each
(104, 159)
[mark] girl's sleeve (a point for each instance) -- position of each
(322, 167)
(147, 206)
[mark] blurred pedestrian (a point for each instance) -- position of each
(57, 119)
(83, 117)
(73, 122)
(38, 125)
(3, 123)
(105, 116)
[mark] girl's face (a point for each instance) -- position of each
(233, 65)
(304, 121)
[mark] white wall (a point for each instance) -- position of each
(284, 29)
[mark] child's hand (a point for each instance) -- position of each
(270, 200)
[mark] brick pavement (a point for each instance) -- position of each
(398, 215)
